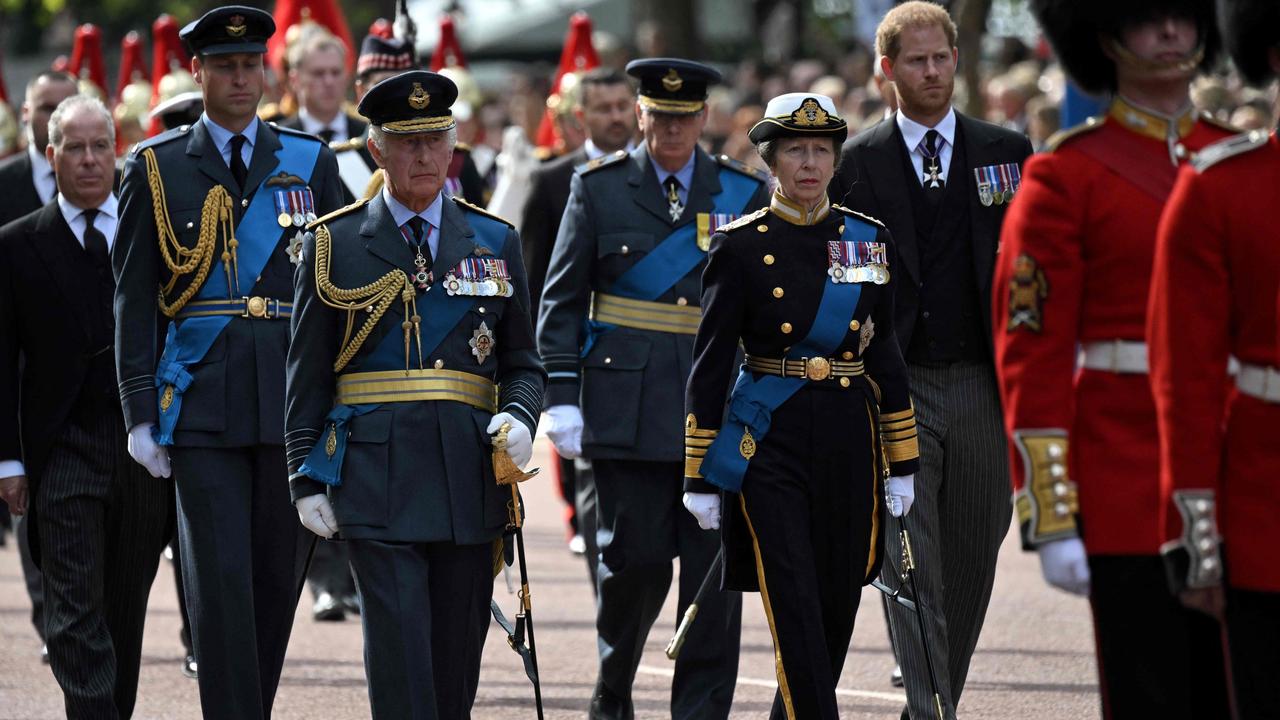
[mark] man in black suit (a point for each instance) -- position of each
(27, 177)
(606, 108)
(99, 520)
(941, 181)
(211, 220)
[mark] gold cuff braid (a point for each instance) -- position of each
(898, 435)
(696, 442)
(1048, 501)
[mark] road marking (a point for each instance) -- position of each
(773, 685)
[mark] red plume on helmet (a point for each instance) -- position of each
(382, 28)
(167, 52)
(325, 13)
(578, 56)
(86, 59)
(448, 52)
(132, 67)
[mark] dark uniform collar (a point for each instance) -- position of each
(794, 213)
(1150, 123)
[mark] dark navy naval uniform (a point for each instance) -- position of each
(393, 380)
(208, 367)
(805, 526)
(627, 370)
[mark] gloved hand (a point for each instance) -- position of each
(565, 430)
(144, 451)
(519, 442)
(899, 494)
(316, 515)
(1064, 565)
(705, 507)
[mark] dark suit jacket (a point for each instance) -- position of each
(355, 125)
(413, 471)
(871, 179)
(47, 297)
(237, 396)
(548, 194)
(19, 196)
(631, 384)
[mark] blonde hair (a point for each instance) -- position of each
(913, 14)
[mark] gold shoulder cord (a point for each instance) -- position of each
(216, 215)
(377, 296)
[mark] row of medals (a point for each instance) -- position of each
(297, 219)
(453, 285)
(878, 274)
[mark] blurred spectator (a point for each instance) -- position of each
(1042, 121)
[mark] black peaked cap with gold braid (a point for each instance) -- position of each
(229, 29)
(671, 85)
(417, 101)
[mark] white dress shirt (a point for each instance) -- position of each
(913, 134)
(42, 175)
(401, 214)
(338, 125)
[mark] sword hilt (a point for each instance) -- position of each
(677, 640)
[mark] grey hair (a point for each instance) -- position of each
(379, 138)
(768, 150)
(69, 106)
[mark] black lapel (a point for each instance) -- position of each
(264, 160)
(32, 195)
(211, 163)
(644, 181)
(706, 182)
(62, 253)
(888, 181)
(382, 237)
(979, 148)
(456, 238)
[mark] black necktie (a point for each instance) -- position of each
(674, 206)
(238, 169)
(327, 135)
(931, 152)
(95, 243)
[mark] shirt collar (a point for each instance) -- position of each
(70, 211)
(222, 136)
(401, 214)
(913, 132)
(40, 166)
(594, 151)
(313, 125)
(794, 213)
(1150, 123)
(684, 174)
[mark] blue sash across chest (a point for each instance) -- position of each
(440, 313)
(188, 340)
(752, 402)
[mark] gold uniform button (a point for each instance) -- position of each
(840, 229)
(762, 228)
(844, 382)
(768, 259)
(786, 328)
(682, 301)
(847, 355)
(778, 292)
(439, 364)
(854, 325)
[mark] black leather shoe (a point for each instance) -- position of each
(351, 603)
(189, 667)
(328, 609)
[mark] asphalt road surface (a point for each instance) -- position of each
(1035, 658)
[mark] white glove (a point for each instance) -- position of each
(519, 442)
(1064, 565)
(144, 451)
(705, 507)
(900, 493)
(565, 430)
(316, 515)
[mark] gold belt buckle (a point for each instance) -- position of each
(817, 368)
(255, 307)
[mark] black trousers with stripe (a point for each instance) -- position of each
(810, 503)
(103, 523)
(244, 557)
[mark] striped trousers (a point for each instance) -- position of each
(103, 523)
(960, 516)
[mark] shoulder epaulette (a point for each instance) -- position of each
(462, 147)
(855, 214)
(1057, 139)
(744, 220)
(743, 168)
(481, 211)
(297, 133)
(602, 161)
(354, 143)
(269, 112)
(337, 213)
(162, 138)
(1229, 148)
(543, 154)
(1209, 119)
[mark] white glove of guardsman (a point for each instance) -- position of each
(1064, 565)
(316, 515)
(899, 494)
(565, 430)
(519, 442)
(705, 507)
(144, 451)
